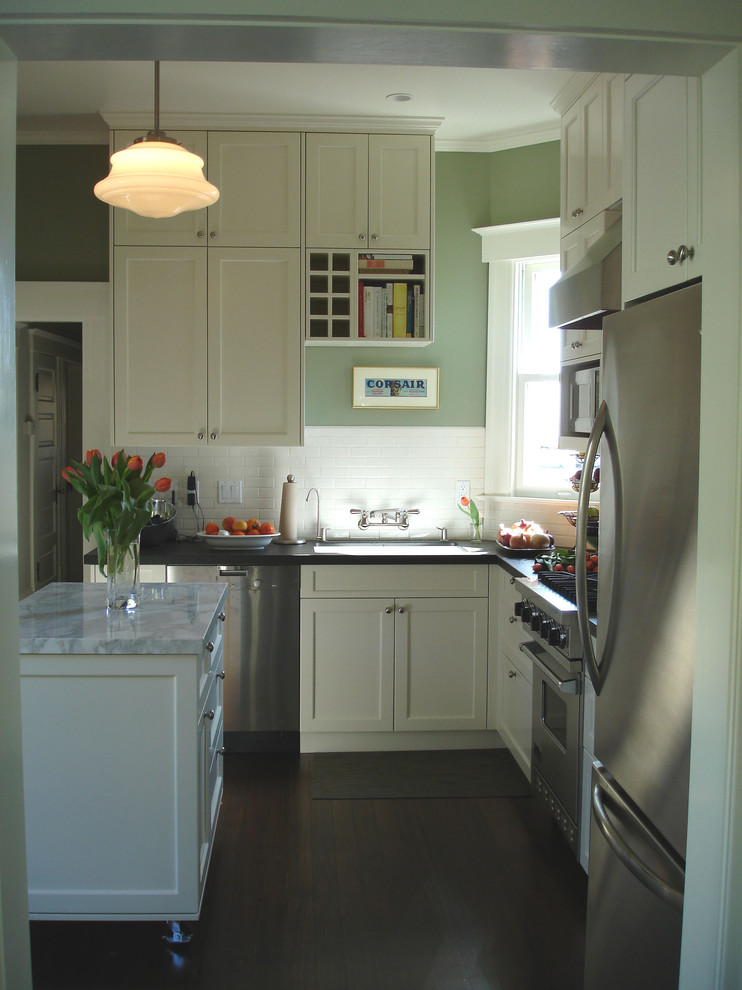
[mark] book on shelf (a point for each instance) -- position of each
(360, 310)
(399, 311)
(385, 262)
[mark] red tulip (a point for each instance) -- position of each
(66, 472)
(90, 454)
(115, 457)
(163, 484)
(158, 460)
(135, 463)
(464, 501)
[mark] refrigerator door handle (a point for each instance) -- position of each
(671, 894)
(602, 428)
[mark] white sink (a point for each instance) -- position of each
(399, 548)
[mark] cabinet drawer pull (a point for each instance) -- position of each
(210, 714)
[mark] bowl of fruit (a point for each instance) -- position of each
(238, 534)
(524, 538)
(593, 515)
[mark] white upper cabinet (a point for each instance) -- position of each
(591, 152)
(220, 367)
(662, 221)
(368, 191)
(258, 175)
(259, 178)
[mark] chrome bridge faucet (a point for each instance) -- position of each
(400, 518)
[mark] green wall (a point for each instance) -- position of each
(62, 235)
(61, 229)
(472, 190)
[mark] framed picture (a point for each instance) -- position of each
(395, 388)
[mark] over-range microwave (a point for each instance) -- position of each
(580, 398)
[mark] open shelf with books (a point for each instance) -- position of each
(369, 298)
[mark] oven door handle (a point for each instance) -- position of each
(567, 685)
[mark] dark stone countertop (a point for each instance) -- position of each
(194, 552)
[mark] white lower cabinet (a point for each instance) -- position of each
(411, 659)
(511, 674)
(123, 781)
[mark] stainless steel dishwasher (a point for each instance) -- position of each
(261, 655)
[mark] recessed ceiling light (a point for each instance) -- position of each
(399, 97)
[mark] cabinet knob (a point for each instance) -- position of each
(512, 619)
(374, 237)
(672, 257)
(210, 647)
(511, 673)
(221, 751)
(222, 616)
(221, 675)
(577, 212)
(388, 610)
(201, 233)
(401, 610)
(361, 237)
(210, 715)
(212, 234)
(685, 253)
(201, 435)
(213, 436)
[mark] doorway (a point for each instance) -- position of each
(49, 417)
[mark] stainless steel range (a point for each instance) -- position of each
(558, 687)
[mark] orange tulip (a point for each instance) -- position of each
(135, 463)
(163, 484)
(158, 460)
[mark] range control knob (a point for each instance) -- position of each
(518, 606)
(525, 612)
(536, 617)
(545, 627)
(555, 634)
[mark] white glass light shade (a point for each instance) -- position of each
(156, 179)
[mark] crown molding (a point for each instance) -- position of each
(571, 91)
(62, 129)
(505, 140)
(274, 122)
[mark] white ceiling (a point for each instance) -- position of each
(481, 109)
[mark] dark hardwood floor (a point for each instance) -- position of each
(434, 894)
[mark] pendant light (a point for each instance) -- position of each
(156, 176)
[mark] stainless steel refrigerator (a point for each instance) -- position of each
(641, 662)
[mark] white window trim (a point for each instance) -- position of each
(503, 247)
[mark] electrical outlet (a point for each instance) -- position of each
(462, 490)
(229, 491)
(192, 486)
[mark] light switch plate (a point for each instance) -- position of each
(229, 491)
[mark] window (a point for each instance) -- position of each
(522, 444)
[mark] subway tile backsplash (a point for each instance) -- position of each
(355, 467)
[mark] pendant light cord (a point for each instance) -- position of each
(157, 98)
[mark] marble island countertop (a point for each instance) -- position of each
(72, 619)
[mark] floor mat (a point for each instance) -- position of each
(434, 774)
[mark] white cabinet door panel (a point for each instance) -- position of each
(258, 175)
(160, 348)
(347, 665)
(441, 664)
(399, 191)
(337, 190)
(255, 387)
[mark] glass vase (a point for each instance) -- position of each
(123, 588)
(476, 529)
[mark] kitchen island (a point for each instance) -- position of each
(122, 727)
